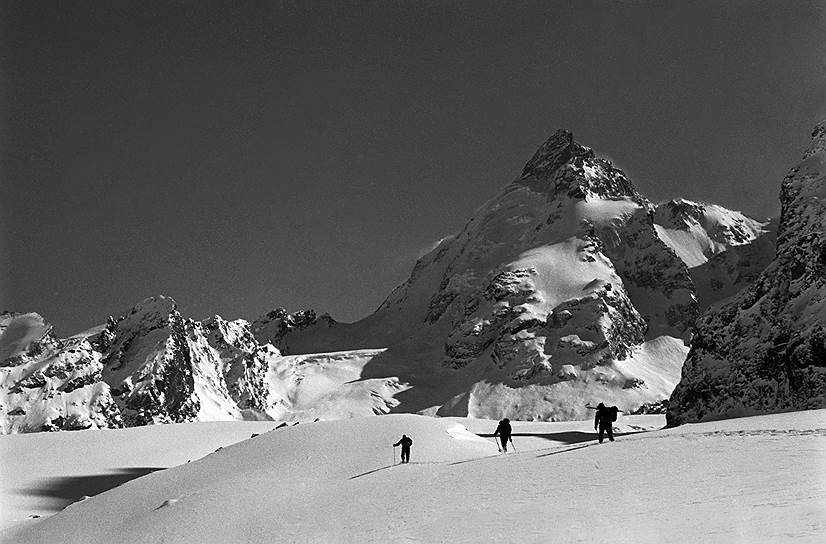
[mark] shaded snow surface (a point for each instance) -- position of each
(758, 479)
(45, 472)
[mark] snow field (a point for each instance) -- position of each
(31, 463)
(328, 386)
(758, 479)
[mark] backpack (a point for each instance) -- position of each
(408, 442)
(612, 413)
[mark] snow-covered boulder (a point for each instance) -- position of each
(765, 349)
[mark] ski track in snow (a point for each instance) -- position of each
(757, 479)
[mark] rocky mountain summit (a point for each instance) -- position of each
(568, 287)
(764, 350)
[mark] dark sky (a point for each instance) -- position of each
(240, 156)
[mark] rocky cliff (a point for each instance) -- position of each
(765, 349)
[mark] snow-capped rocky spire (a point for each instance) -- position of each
(566, 167)
(556, 151)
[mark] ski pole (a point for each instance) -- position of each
(514, 447)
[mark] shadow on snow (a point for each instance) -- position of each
(566, 437)
(65, 490)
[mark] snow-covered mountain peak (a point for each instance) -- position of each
(679, 212)
(274, 325)
(150, 313)
(697, 231)
(556, 151)
(232, 333)
(726, 226)
(562, 166)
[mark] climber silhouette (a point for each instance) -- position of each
(405, 442)
(504, 431)
(604, 420)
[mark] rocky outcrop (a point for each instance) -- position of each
(765, 349)
(658, 281)
(274, 326)
(244, 363)
(567, 167)
(49, 384)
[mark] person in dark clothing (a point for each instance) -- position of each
(504, 431)
(405, 442)
(604, 421)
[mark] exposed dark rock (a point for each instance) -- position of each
(763, 351)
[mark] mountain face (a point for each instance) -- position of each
(152, 365)
(48, 384)
(764, 350)
(568, 287)
(162, 369)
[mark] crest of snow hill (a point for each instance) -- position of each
(567, 288)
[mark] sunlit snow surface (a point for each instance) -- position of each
(758, 479)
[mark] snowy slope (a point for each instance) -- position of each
(328, 386)
(728, 272)
(750, 480)
(42, 474)
(725, 250)
(765, 349)
(698, 231)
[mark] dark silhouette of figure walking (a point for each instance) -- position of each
(405, 442)
(604, 420)
(504, 431)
